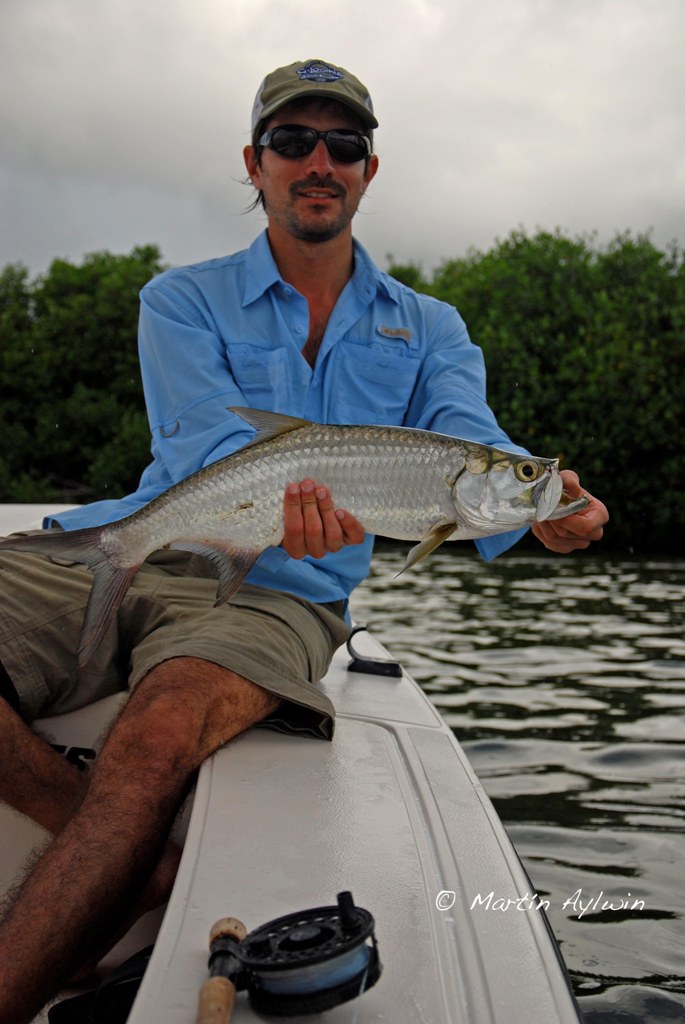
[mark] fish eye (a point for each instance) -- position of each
(527, 471)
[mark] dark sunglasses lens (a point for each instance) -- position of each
(347, 147)
(293, 142)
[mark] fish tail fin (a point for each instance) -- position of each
(109, 588)
(110, 582)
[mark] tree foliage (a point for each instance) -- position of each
(585, 348)
(72, 413)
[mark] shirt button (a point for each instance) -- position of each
(299, 330)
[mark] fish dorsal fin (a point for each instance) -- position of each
(267, 424)
(429, 542)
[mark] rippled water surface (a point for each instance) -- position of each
(564, 680)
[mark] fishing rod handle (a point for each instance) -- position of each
(215, 1002)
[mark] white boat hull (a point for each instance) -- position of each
(391, 810)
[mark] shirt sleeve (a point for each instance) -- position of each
(188, 382)
(450, 398)
(450, 394)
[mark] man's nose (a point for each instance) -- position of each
(319, 160)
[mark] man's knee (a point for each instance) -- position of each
(189, 707)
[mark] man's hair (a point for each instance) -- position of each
(256, 136)
(263, 125)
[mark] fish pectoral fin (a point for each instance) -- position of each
(232, 564)
(432, 540)
(267, 424)
(567, 506)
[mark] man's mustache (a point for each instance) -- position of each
(318, 183)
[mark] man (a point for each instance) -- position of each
(303, 323)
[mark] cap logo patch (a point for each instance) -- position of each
(315, 72)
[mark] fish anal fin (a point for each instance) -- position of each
(429, 542)
(267, 424)
(231, 563)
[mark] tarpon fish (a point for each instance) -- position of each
(399, 482)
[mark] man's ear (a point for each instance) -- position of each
(371, 170)
(252, 164)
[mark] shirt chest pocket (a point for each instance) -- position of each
(373, 383)
(259, 373)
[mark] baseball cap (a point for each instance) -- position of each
(315, 78)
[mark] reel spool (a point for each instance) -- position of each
(311, 961)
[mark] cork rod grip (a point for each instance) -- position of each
(215, 1002)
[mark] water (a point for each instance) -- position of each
(564, 680)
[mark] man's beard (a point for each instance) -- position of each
(322, 233)
(308, 230)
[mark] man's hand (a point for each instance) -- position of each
(575, 531)
(312, 524)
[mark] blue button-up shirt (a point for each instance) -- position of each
(230, 331)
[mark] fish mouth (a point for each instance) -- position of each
(548, 492)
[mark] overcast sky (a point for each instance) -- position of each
(123, 121)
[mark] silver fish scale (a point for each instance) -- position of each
(394, 481)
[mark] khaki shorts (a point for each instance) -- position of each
(281, 642)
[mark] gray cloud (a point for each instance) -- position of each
(124, 123)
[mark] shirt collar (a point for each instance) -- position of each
(261, 273)
(366, 273)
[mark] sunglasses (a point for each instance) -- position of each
(294, 141)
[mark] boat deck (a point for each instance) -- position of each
(390, 810)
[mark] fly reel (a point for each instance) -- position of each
(301, 963)
(311, 961)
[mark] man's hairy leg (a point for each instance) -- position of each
(35, 779)
(98, 866)
(40, 783)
